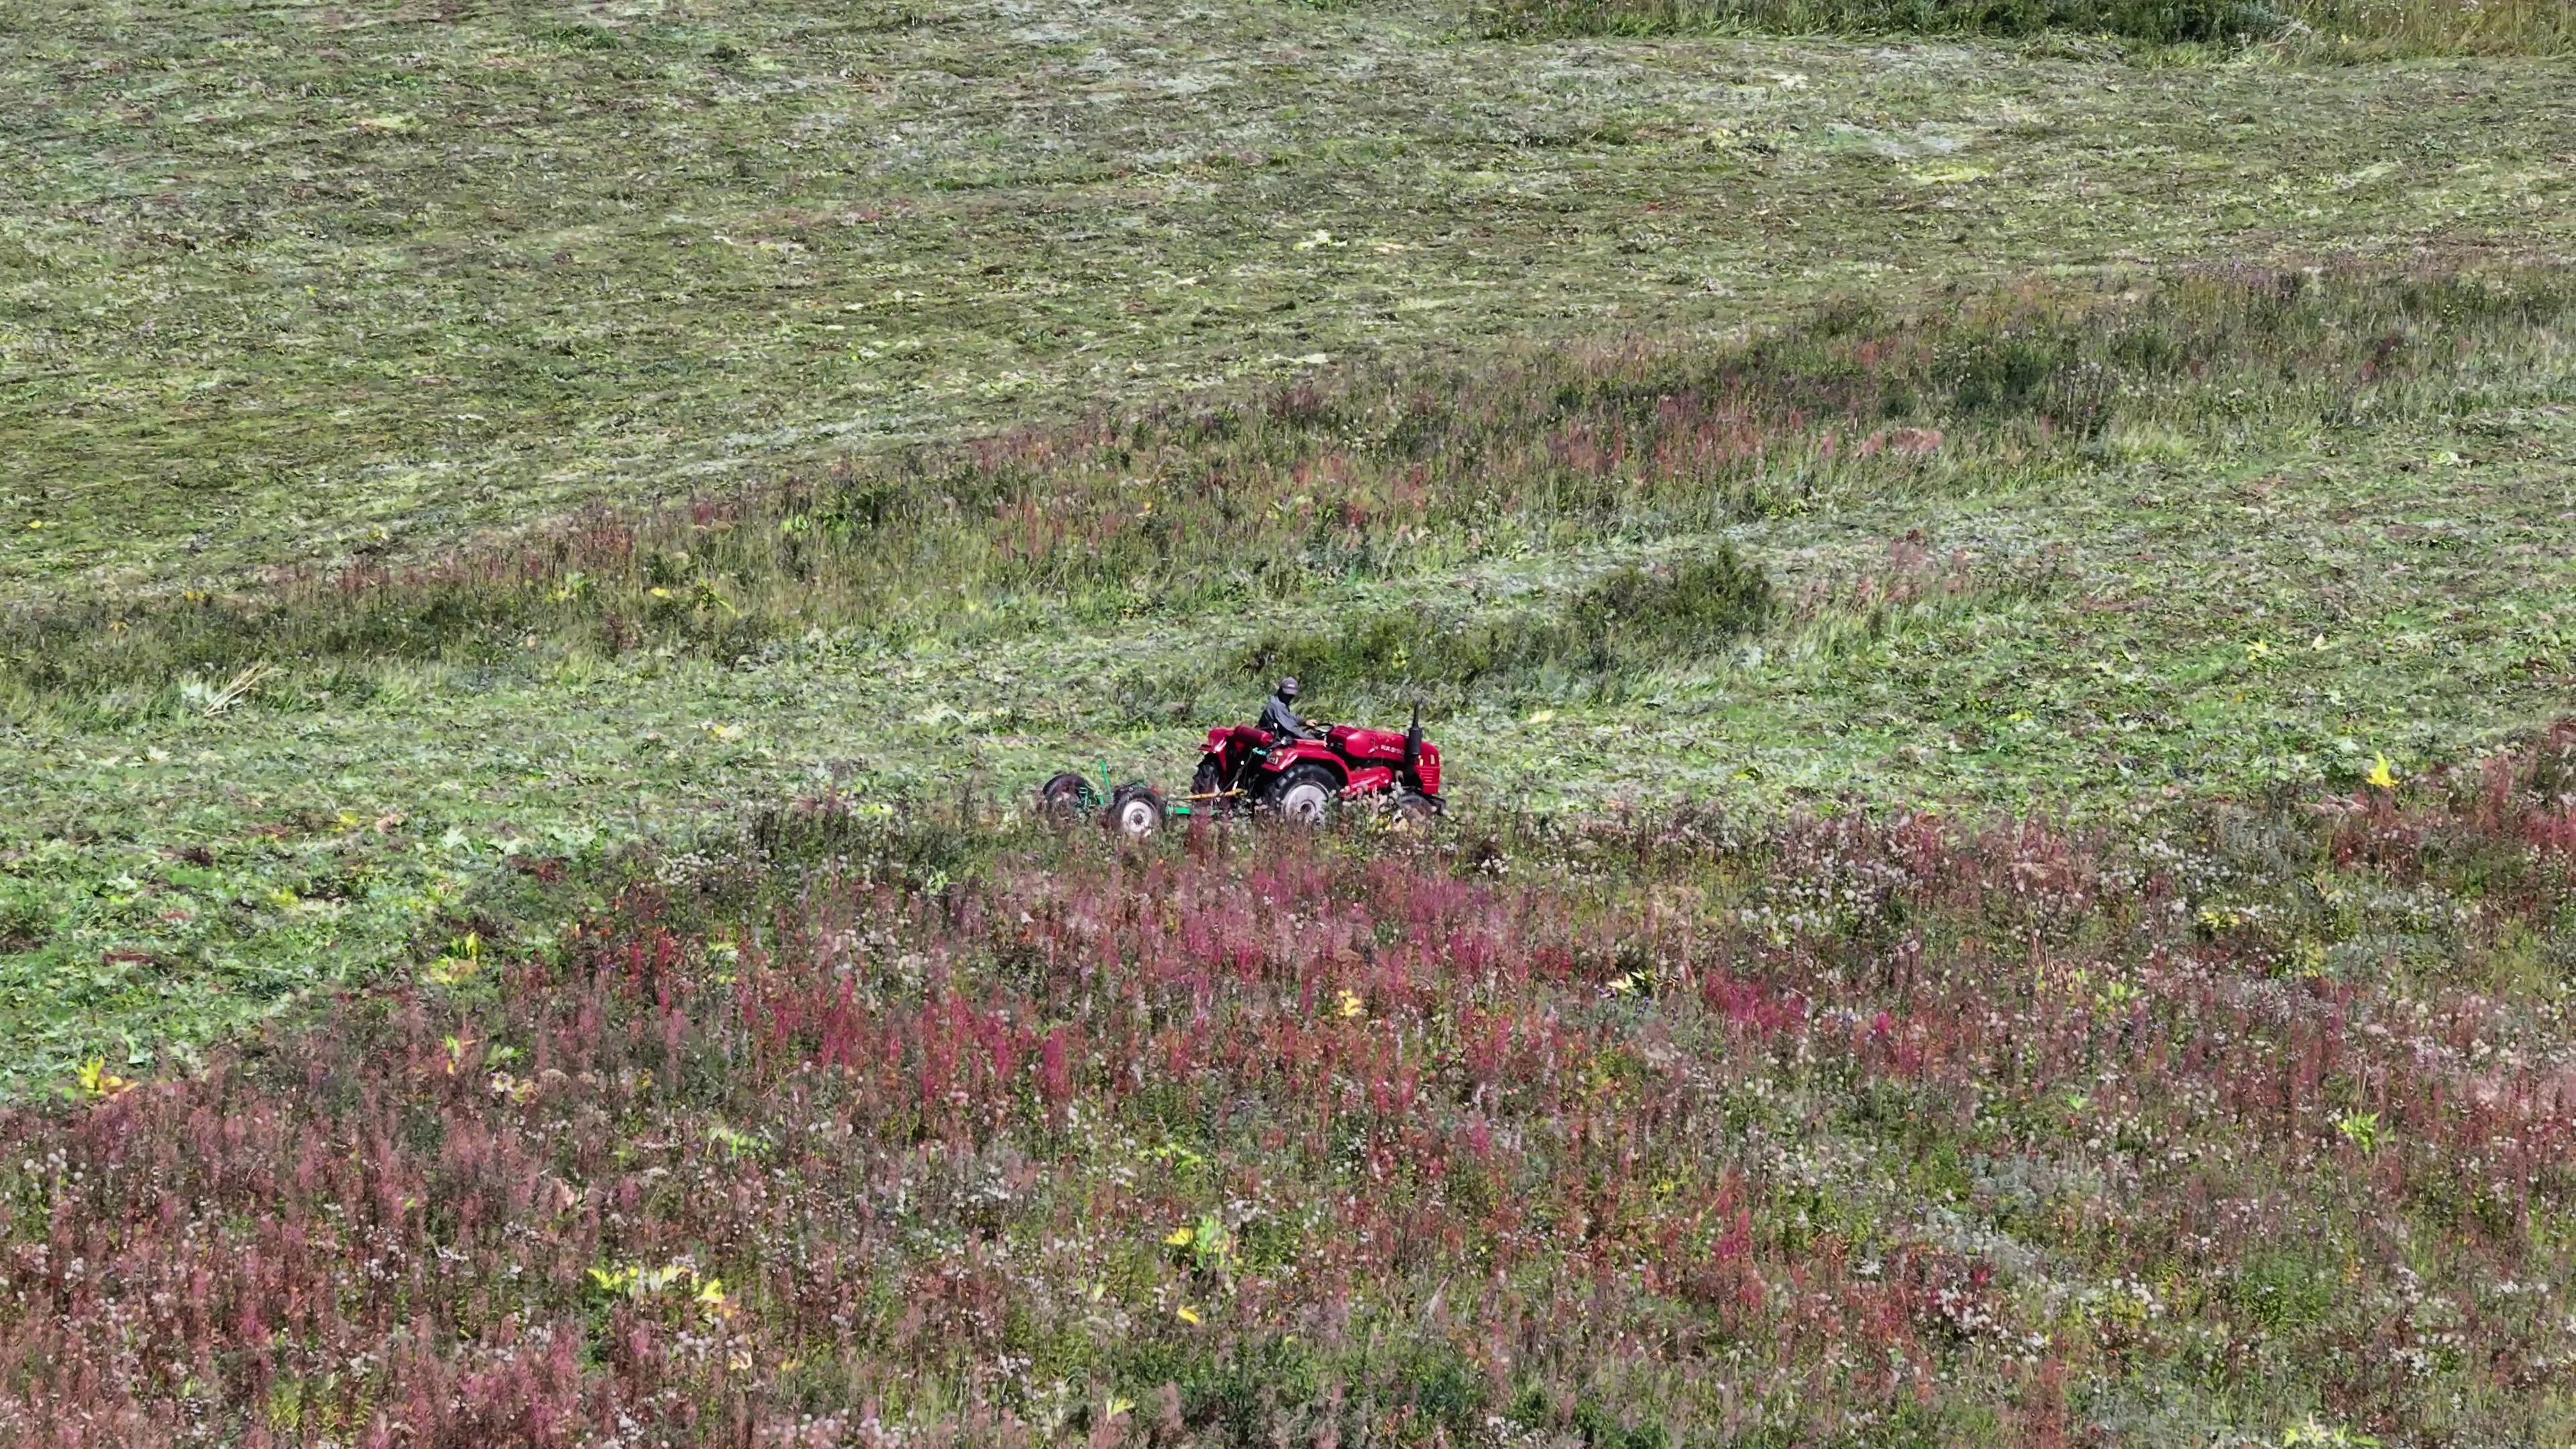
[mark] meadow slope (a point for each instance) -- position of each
(287, 282)
(2252, 1129)
(2001, 609)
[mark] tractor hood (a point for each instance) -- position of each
(1367, 744)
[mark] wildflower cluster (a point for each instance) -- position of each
(1693, 1131)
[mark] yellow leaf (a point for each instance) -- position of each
(1188, 1315)
(2380, 775)
(1352, 1005)
(1178, 1237)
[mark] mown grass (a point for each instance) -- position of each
(282, 285)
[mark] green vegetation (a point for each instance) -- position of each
(1963, 559)
(2157, 21)
(1695, 1129)
(2081, 545)
(2344, 29)
(1388, 475)
(1630, 621)
(285, 286)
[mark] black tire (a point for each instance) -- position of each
(1412, 812)
(1136, 812)
(1209, 792)
(1303, 794)
(1067, 796)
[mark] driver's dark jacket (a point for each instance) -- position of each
(1278, 719)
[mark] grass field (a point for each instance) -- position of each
(493, 487)
(287, 282)
(2310, 30)
(2246, 1129)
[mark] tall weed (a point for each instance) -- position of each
(1678, 1129)
(2346, 28)
(1631, 619)
(2157, 21)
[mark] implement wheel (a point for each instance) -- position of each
(1067, 797)
(1136, 812)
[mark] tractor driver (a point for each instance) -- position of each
(1279, 714)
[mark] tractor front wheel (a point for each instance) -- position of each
(1412, 813)
(1303, 793)
(1136, 812)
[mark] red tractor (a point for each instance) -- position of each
(1247, 769)
(1299, 780)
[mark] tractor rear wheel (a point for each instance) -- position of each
(1210, 794)
(1065, 796)
(1136, 812)
(1302, 794)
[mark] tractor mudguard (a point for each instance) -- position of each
(1287, 755)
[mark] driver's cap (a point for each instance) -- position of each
(1288, 687)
